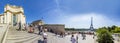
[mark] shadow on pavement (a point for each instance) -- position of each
(40, 41)
(35, 33)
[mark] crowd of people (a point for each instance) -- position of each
(31, 29)
(42, 31)
(74, 38)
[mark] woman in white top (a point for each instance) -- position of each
(45, 36)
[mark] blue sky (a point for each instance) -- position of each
(72, 13)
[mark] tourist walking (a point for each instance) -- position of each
(77, 38)
(40, 29)
(61, 34)
(25, 26)
(73, 40)
(45, 36)
(94, 35)
(30, 29)
(84, 37)
(19, 26)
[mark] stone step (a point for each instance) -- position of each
(20, 34)
(34, 40)
(15, 37)
(21, 40)
(17, 33)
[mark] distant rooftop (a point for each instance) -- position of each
(54, 24)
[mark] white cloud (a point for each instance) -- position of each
(80, 20)
(83, 20)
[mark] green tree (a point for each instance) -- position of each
(117, 30)
(113, 27)
(104, 36)
(109, 29)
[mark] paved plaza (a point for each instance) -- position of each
(25, 37)
(14, 36)
(89, 39)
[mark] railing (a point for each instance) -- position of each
(3, 32)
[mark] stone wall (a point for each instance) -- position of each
(55, 28)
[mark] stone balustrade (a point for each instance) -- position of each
(3, 30)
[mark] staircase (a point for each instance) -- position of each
(15, 36)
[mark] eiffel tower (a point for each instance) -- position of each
(91, 26)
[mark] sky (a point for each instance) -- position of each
(72, 13)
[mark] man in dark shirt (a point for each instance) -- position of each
(40, 29)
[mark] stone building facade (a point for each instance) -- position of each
(13, 15)
(38, 22)
(55, 28)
